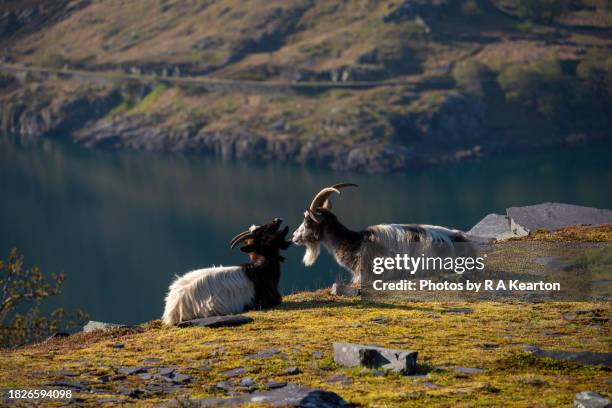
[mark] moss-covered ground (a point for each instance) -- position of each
(303, 330)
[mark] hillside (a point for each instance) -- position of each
(487, 337)
(469, 353)
(370, 85)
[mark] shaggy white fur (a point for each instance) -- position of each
(208, 292)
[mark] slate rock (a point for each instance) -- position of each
(177, 378)
(292, 371)
(590, 399)
(467, 370)
(236, 372)
(133, 392)
(224, 385)
(263, 354)
(165, 371)
(339, 289)
(429, 384)
(352, 355)
(275, 384)
(118, 345)
(580, 357)
(247, 382)
(133, 370)
(292, 395)
(552, 216)
(93, 325)
(70, 384)
(492, 227)
(217, 321)
(380, 320)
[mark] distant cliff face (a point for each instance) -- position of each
(369, 86)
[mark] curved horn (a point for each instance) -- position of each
(240, 237)
(324, 194)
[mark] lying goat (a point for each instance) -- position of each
(355, 250)
(227, 290)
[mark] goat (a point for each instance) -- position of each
(222, 290)
(355, 250)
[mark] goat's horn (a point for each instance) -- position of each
(324, 194)
(240, 237)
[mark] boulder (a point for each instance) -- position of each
(590, 399)
(494, 227)
(580, 357)
(352, 355)
(217, 321)
(93, 326)
(552, 216)
(292, 395)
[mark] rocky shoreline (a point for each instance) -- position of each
(451, 127)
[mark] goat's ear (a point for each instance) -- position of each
(313, 216)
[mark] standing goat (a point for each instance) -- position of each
(355, 250)
(222, 290)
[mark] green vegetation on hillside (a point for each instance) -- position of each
(449, 76)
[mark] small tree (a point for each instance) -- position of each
(21, 293)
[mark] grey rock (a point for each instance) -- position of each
(352, 355)
(165, 371)
(590, 399)
(70, 384)
(217, 321)
(93, 326)
(493, 227)
(133, 392)
(263, 354)
(118, 345)
(581, 357)
(292, 395)
(467, 370)
(177, 378)
(292, 371)
(247, 382)
(552, 216)
(234, 372)
(339, 289)
(224, 385)
(275, 384)
(317, 354)
(429, 384)
(133, 370)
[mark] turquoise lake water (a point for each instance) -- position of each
(122, 224)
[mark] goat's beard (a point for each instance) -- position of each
(312, 253)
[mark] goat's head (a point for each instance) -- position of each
(263, 241)
(316, 217)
